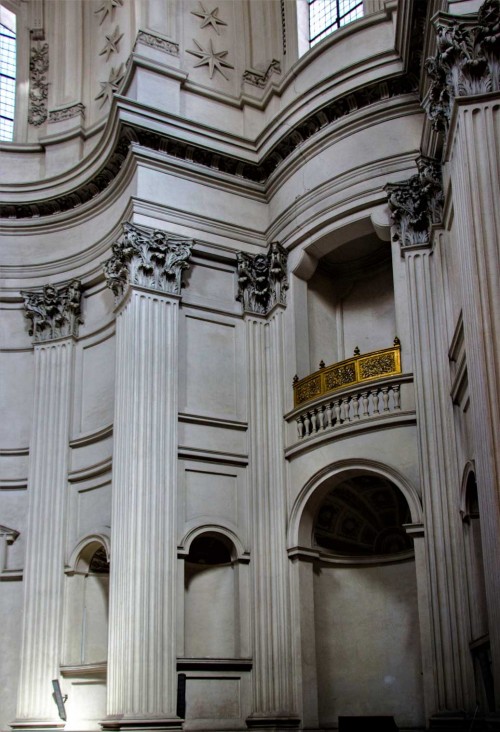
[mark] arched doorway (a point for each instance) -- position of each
(362, 600)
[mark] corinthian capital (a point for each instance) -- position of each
(151, 259)
(262, 279)
(54, 312)
(416, 203)
(466, 62)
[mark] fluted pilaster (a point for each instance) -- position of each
(474, 152)
(273, 697)
(44, 568)
(142, 651)
(439, 482)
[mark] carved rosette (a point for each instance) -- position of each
(150, 259)
(467, 61)
(55, 312)
(416, 203)
(262, 280)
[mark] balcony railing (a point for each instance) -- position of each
(359, 370)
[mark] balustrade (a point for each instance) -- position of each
(350, 407)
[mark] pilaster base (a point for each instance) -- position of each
(38, 725)
(270, 722)
(142, 724)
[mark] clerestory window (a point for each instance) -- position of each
(326, 16)
(7, 73)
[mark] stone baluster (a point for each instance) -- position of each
(396, 395)
(336, 407)
(365, 402)
(385, 398)
(355, 406)
(145, 274)
(54, 315)
(375, 401)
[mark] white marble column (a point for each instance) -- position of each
(463, 102)
(416, 205)
(54, 314)
(439, 484)
(145, 274)
(474, 154)
(263, 284)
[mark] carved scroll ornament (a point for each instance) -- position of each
(467, 61)
(416, 203)
(262, 279)
(151, 259)
(54, 312)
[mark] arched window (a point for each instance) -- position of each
(7, 73)
(326, 16)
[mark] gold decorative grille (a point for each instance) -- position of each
(355, 370)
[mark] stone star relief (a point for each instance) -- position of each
(107, 8)
(111, 45)
(212, 58)
(111, 85)
(209, 18)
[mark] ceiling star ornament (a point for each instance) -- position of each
(107, 8)
(112, 41)
(212, 58)
(209, 18)
(109, 87)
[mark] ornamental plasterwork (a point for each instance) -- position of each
(466, 62)
(109, 87)
(112, 41)
(39, 87)
(262, 279)
(59, 115)
(215, 60)
(416, 203)
(158, 42)
(54, 312)
(209, 18)
(107, 8)
(151, 259)
(260, 78)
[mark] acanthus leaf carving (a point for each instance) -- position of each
(262, 279)
(150, 259)
(417, 203)
(39, 86)
(54, 312)
(467, 61)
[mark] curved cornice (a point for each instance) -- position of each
(242, 170)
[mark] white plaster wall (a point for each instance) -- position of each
(367, 643)
(11, 613)
(209, 611)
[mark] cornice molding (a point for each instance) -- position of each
(240, 169)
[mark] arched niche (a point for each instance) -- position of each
(87, 603)
(214, 585)
(357, 593)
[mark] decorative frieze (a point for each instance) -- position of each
(54, 312)
(39, 86)
(416, 203)
(260, 78)
(64, 113)
(467, 61)
(159, 42)
(150, 259)
(262, 279)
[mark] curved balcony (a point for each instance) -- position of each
(349, 394)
